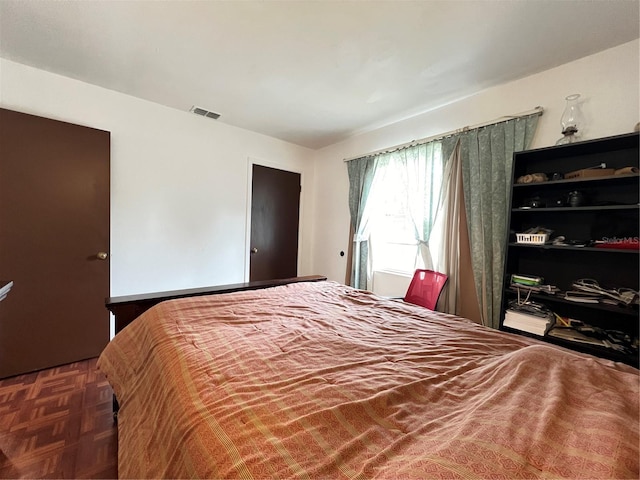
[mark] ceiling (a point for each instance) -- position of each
(309, 72)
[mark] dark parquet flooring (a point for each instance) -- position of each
(58, 423)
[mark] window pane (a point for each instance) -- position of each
(393, 257)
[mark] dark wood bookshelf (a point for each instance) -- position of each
(609, 211)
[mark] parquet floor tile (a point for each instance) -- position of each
(58, 423)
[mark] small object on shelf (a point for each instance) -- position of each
(532, 238)
(562, 241)
(526, 279)
(571, 120)
(543, 288)
(534, 202)
(562, 321)
(533, 178)
(589, 173)
(530, 307)
(581, 297)
(627, 171)
(576, 198)
(535, 235)
(622, 244)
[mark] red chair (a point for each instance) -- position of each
(425, 288)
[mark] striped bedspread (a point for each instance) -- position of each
(318, 380)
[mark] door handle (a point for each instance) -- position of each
(102, 255)
(254, 250)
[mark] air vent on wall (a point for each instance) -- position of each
(204, 113)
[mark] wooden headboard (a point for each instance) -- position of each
(127, 308)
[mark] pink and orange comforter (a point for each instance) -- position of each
(318, 380)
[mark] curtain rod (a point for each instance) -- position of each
(440, 136)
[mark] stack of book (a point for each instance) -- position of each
(538, 325)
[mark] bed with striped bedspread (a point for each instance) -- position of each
(318, 380)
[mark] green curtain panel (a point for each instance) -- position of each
(487, 161)
(361, 172)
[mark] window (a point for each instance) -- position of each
(404, 195)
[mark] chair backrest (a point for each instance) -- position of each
(425, 288)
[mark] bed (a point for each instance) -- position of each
(319, 380)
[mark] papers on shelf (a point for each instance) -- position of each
(581, 297)
(575, 336)
(527, 323)
(550, 289)
(595, 336)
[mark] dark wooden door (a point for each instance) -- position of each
(275, 209)
(54, 227)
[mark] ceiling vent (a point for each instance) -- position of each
(204, 113)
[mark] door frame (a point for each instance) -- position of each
(251, 161)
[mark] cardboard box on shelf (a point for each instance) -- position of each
(590, 172)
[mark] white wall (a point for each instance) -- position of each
(608, 82)
(179, 182)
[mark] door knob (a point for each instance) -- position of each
(102, 255)
(254, 250)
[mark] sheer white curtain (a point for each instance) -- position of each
(363, 235)
(445, 241)
(403, 200)
(423, 165)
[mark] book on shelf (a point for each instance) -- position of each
(525, 322)
(531, 280)
(582, 297)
